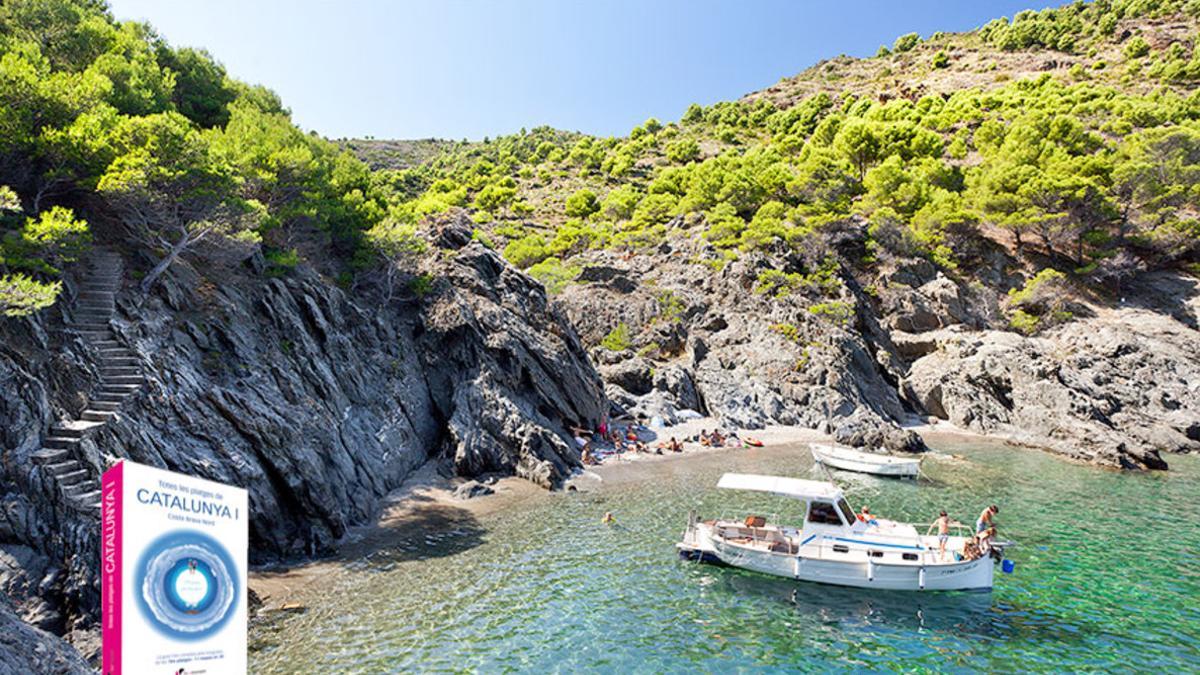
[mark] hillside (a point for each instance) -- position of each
(792, 257)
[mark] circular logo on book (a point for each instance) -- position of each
(187, 585)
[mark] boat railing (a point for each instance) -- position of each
(966, 530)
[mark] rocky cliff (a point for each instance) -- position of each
(870, 349)
(317, 402)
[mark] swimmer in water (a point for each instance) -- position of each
(608, 518)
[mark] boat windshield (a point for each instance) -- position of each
(848, 514)
(824, 513)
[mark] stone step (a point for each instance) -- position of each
(116, 352)
(108, 369)
(86, 328)
(60, 442)
(104, 406)
(72, 478)
(50, 455)
(119, 362)
(87, 501)
(92, 292)
(75, 428)
(108, 390)
(59, 468)
(92, 317)
(121, 379)
(94, 415)
(106, 344)
(96, 335)
(79, 489)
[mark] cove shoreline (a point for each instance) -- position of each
(425, 504)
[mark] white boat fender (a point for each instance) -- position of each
(870, 569)
(921, 579)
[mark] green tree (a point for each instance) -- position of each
(859, 142)
(582, 204)
(169, 192)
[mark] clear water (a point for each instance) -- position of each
(1107, 578)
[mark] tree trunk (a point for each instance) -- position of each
(156, 272)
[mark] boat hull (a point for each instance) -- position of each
(859, 572)
(861, 462)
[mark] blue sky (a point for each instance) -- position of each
(469, 69)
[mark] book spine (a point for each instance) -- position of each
(111, 569)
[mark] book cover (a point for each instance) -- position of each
(173, 573)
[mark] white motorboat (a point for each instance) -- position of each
(832, 546)
(864, 462)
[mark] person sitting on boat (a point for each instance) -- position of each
(970, 550)
(867, 517)
(984, 540)
(985, 518)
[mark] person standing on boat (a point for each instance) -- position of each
(942, 524)
(985, 518)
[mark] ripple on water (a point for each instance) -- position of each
(1106, 578)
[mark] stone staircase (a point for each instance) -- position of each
(120, 376)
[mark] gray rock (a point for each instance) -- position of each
(1114, 390)
(26, 649)
(472, 489)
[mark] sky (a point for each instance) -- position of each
(470, 68)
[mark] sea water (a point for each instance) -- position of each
(1107, 578)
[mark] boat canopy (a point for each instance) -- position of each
(797, 488)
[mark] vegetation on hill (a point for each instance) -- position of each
(1092, 164)
(104, 118)
(1096, 174)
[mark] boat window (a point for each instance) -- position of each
(823, 513)
(910, 556)
(846, 512)
(876, 554)
(841, 548)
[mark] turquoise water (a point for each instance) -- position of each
(1107, 578)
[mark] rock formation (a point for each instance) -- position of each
(287, 387)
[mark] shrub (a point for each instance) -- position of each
(582, 204)
(526, 251)
(617, 339)
(1136, 48)
(941, 59)
(554, 275)
(670, 306)
(1023, 322)
(281, 261)
(834, 310)
(684, 151)
(906, 42)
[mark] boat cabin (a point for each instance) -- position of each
(826, 510)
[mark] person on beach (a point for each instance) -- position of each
(675, 446)
(704, 437)
(942, 524)
(985, 518)
(587, 456)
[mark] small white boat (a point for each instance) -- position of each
(864, 462)
(832, 546)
